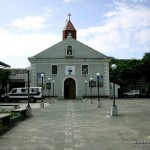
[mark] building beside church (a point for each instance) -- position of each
(70, 64)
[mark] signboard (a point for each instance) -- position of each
(70, 70)
(48, 86)
(92, 83)
(100, 84)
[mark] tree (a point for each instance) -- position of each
(134, 70)
(4, 77)
(127, 72)
(146, 69)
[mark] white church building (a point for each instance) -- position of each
(70, 64)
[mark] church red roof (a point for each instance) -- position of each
(69, 26)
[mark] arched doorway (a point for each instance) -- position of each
(69, 89)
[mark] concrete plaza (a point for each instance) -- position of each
(78, 125)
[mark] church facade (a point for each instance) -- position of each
(68, 66)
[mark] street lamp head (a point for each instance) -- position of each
(28, 68)
(42, 74)
(85, 81)
(49, 79)
(53, 81)
(113, 66)
(97, 74)
(91, 79)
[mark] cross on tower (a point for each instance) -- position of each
(69, 15)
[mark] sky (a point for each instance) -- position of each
(116, 28)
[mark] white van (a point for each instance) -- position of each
(132, 93)
(35, 93)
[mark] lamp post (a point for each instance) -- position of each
(85, 89)
(42, 103)
(49, 87)
(29, 111)
(114, 111)
(98, 85)
(53, 88)
(91, 80)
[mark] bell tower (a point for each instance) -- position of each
(69, 30)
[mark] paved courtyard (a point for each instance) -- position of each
(78, 125)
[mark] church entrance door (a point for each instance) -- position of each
(69, 89)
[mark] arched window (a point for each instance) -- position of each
(69, 51)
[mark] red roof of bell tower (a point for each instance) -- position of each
(69, 29)
(69, 26)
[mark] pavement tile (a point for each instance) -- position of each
(79, 125)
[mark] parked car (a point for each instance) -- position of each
(35, 93)
(132, 93)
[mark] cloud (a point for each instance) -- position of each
(134, 1)
(29, 23)
(25, 44)
(138, 1)
(69, 1)
(125, 27)
(125, 31)
(16, 47)
(48, 12)
(143, 36)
